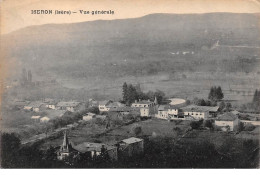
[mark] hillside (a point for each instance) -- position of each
(141, 46)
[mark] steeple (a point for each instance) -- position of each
(155, 100)
(65, 140)
(65, 147)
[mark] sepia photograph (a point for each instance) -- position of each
(120, 84)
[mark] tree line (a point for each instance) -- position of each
(132, 93)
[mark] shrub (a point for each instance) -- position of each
(249, 127)
(208, 124)
(196, 124)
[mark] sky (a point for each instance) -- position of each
(16, 14)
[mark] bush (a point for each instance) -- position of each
(208, 124)
(249, 127)
(196, 124)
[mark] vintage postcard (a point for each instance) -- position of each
(129, 84)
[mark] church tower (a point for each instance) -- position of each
(65, 148)
(155, 100)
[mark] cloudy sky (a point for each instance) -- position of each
(16, 14)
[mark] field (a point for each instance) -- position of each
(96, 133)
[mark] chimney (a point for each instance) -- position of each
(135, 101)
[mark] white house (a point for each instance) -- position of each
(147, 108)
(167, 112)
(103, 105)
(227, 122)
(198, 112)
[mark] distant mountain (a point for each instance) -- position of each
(150, 44)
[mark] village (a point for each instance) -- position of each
(63, 119)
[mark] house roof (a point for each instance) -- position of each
(121, 109)
(194, 108)
(35, 104)
(101, 116)
(143, 102)
(115, 104)
(35, 117)
(166, 107)
(227, 117)
(55, 113)
(87, 146)
(90, 114)
(45, 118)
(105, 102)
(235, 112)
(68, 104)
(131, 140)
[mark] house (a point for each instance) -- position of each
(69, 106)
(147, 108)
(131, 147)
(89, 116)
(95, 150)
(114, 105)
(227, 121)
(66, 149)
(36, 118)
(103, 105)
(143, 104)
(199, 112)
(167, 112)
(44, 119)
(52, 114)
(35, 106)
(20, 104)
(146, 112)
(92, 103)
(122, 110)
(50, 103)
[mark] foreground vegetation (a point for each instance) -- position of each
(159, 152)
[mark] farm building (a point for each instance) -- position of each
(69, 106)
(103, 105)
(227, 122)
(131, 147)
(94, 150)
(35, 106)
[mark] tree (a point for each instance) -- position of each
(228, 107)
(196, 124)
(10, 144)
(208, 124)
(137, 130)
(29, 76)
(125, 92)
(219, 93)
(215, 94)
(222, 105)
